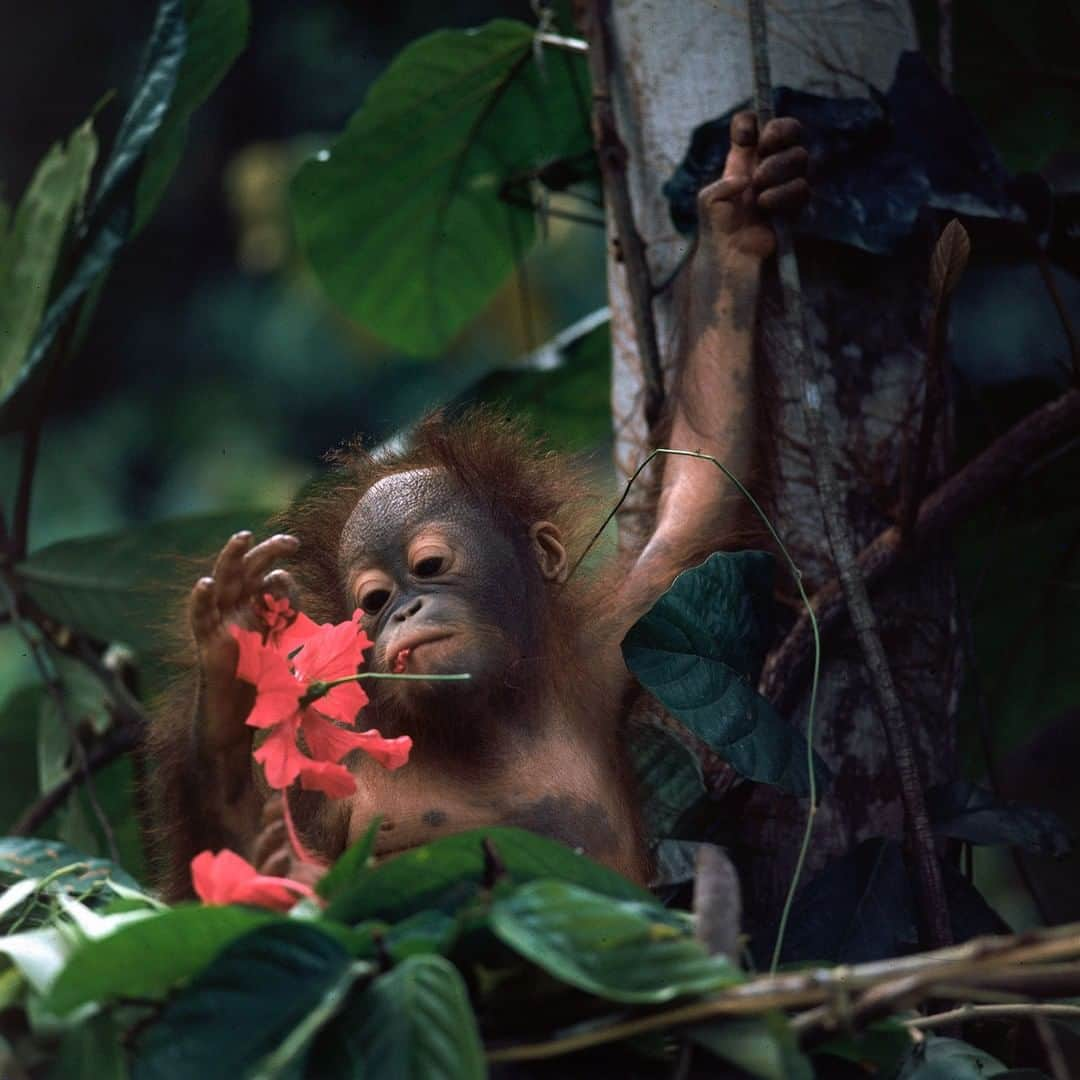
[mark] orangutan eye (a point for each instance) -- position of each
(429, 566)
(371, 603)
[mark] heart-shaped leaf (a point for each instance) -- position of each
(404, 218)
(620, 950)
(699, 650)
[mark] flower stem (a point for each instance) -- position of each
(320, 688)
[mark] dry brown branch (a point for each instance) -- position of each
(824, 1000)
(1019, 1010)
(994, 469)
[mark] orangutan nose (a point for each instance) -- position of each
(408, 610)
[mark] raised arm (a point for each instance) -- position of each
(713, 403)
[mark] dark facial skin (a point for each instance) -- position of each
(442, 589)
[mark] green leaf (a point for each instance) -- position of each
(92, 1050)
(447, 873)
(563, 390)
(349, 865)
(18, 750)
(620, 950)
(23, 858)
(150, 957)
(191, 45)
(964, 811)
(413, 1023)
(670, 782)
(121, 586)
(217, 32)
(402, 218)
(938, 1058)
(699, 651)
(424, 932)
(763, 1046)
(253, 995)
(879, 1048)
(29, 251)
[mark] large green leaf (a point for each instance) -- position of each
(700, 650)
(413, 1023)
(191, 45)
(93, 1050)
(402, 217)
(621, 950)
(150, 957)
(937, 1058)
(217, 32)
(28, 858)
(447, 873)
(253, 995)
(763, 1046)
(29, 250)
(18, 738)
(669, 778)
(122, 586)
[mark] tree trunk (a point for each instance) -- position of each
(674, 66)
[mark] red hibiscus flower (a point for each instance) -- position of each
(281, 686)
(287, 629)
(226, 878)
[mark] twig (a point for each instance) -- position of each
(931, 892)
(1022, 1010)
(1046, 272)
(876, 987)
(945, 43)
(611, 153)
(947, 265)
(996, 467)
(560, 41)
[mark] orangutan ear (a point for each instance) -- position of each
(550, 553)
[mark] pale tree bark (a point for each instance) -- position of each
(672, 67)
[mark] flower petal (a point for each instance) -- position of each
(390, 753)
(249, 659)
(289, 638)
(334, 781)
(326, 741)
(278, 894)
(280, 757)
(216, 877)
(343, 702)
(332, 652)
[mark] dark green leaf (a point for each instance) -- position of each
(91, 1051)
(937, 1058)
(620, 950)
(18, 749)
(402, 218)
(446, 874)
(969, 913)
(964, 811)
(424, 932)
(761, 1046)
(217, 32)
(22, 858)
(352, 863)
(879, 1048)
(700, 650)
(670, 782)
(859, 908)
(674, 862)
(28, 252)
(413, 1023)
(120, 586)
(150, 957)
(563, 391)
(253, 995)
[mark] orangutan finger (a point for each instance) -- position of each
(260, 558)
(744, 128)
(780, 168)
(228, 572)
(277, 864)
(780, 134)
(788, 198)
(269, 841)
(203, 611)
(273, 810)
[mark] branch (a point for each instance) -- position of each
(1020, 1009)
(1001, 463)
(611, 153)
(931, 892)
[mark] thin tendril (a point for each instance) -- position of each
(796, 574)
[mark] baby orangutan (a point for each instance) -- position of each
(456, 551)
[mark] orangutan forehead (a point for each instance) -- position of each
(396, 506)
